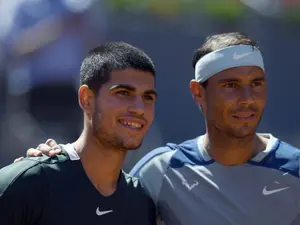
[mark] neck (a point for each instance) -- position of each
(228, 150)
(101, 164)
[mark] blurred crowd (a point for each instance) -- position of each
(42, 43)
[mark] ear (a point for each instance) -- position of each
(86, 98)
(198, 92)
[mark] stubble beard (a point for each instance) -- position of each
(111, 139)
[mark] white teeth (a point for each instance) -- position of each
(132, 124)
(244, 117)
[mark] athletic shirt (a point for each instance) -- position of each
(57, 191)
(190, 188)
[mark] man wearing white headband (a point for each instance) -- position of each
(231, 175)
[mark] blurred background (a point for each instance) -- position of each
(42, 44)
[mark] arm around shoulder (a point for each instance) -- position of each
(22, 192)
(151, 169)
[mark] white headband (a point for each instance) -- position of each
(233, 56)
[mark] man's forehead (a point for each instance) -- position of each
(131, 77)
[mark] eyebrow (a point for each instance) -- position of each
(259, 79)
(130, 88)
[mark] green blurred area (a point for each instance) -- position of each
(223, 9)
(220, 8)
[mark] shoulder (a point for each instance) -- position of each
(24, 169)
(285, 158)
(24, 189)
(27, 171)
(156, 159)
(152, 168)
(160, 158)
(23, 186)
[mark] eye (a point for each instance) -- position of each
(231, 85)
(257, 84)
(149, 97)
(123, 93)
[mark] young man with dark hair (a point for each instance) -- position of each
(85, 184)
(231, 174)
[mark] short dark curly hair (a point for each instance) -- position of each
(97, 66)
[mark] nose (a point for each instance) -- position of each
(137, 107)
(246, 97)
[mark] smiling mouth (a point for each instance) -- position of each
(244, 117)
(131, 124)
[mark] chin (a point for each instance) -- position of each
(131, 147)
(132, 144)
(243, 133)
